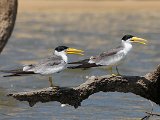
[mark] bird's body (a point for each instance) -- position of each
(53, 64)
(113, 57)
(48, 66)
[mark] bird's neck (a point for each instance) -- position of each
(63, 55)
(127, 46)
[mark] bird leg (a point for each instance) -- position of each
(111, 71)
(118, 74)
(50, 81)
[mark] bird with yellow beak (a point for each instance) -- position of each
(113, 57)
(53, 64)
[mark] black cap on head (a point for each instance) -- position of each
(61, 48)
(126, 37)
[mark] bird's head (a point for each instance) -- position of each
(66, 50)
(131, 39)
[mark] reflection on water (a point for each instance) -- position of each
(36, 34)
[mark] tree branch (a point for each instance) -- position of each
(8, 12)
(147, 86)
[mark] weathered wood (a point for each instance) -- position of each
(8, 12)
(147, 86)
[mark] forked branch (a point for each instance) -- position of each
(147, 86)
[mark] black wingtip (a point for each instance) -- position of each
(17, 72)
(83, 66)
(80, 62)
(11, 75)
(12, 71)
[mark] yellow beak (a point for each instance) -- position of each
(74, 51)
(139, 40)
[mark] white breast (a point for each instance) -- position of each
(112, 60)
(117, 58)
(127, 46)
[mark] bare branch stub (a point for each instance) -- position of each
(60, 94)
(145, 86)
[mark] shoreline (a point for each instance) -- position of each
(86, 6)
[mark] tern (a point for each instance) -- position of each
(113, 57)
(53, 64)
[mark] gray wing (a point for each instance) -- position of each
(96, 60)
(45, 64)
(105, 58)
(50, 61)
(110, 52)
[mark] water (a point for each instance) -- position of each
(37, 34)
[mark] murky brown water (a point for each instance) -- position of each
(36, 34)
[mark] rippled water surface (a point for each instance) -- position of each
(37, 34)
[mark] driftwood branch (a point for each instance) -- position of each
(8, 12)
(147, 86)
(150, 114)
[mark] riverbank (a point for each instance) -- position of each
(85, 6)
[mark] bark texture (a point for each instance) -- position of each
(8, 12)
(147, 86)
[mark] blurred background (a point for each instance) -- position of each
(91, 25)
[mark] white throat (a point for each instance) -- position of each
(127, 46)
(62, 54)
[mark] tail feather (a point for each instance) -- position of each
(12, 75)
(84, 64)
(11, 71)
(80, 62)
(16, 72)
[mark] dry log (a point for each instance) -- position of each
(8, 12)
(147, 86)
